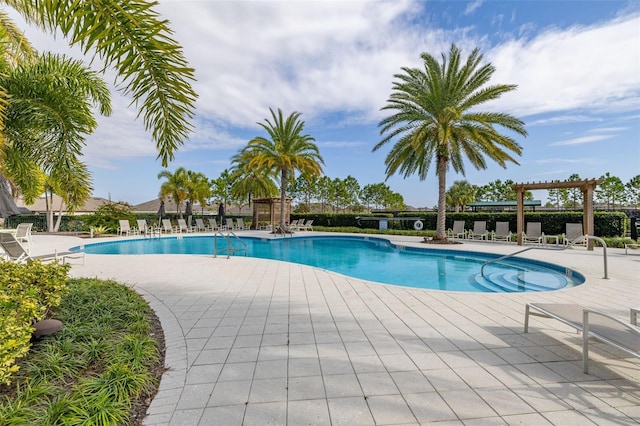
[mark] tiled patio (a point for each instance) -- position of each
(252, 341)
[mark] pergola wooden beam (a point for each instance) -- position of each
(586, 186)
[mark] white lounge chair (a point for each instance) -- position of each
(213, 225)
(143, 228)
(15, 252)
(125, 228)
(240, 225)
(183, 227)
(533, 233)
(23, 234)
(294, 225)
(592, 324)
(306, 226)
(479, 231)
(573, 232)
(200, 226)
(458, 230)
(502, 232)
(230, 225)
(167, 227)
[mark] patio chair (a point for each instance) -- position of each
(143, 227)
(240, 225)
(502, 232)
(573, 231)
(125, 228)
(183, 227)
(458, 230)
(294, 225)
(200, 226)
(213, 225)
(15, 252)
(479, 231)
(533, 233)
(23, 234)
(167, 227)
(306, 226)
(229, 224)
(593, 325)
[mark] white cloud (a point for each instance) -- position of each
(563, 119)
(579, 67)
(472, 7)
(581, 140)
(608, 129)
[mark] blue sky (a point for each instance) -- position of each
(576, 64)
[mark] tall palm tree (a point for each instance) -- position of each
(198, 188)
(48, 112)
(250, 182)
(436, 117)
(175, 187)
(286, 151)
(129, 36)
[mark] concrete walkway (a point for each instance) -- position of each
(256, 342)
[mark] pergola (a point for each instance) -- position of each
(586, 186)
(268, 210)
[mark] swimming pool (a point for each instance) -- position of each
(373, 259)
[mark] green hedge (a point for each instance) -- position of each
(27, 292)
(607, 224)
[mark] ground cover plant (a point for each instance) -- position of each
(102, 368)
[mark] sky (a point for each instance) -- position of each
(576, 65)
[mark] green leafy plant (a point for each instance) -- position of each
(28, 291)
(96, 369)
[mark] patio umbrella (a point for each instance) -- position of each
(7, 205)
(188, 212)
(161, 212)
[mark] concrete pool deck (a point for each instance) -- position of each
(255, 342)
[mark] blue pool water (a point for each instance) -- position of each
(373, 259)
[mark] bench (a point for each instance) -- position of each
(592, 324)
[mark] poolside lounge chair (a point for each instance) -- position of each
(293, 225)
(502, 232)
(533, 233)
(573, 232)
(200, 226)
(167, 228)
(479, 231)
(143, 228)
(592, 324)
(458, 230)
(229, 224)
(183, 227)
(23, 234)
(213, 225)
(306, 226)
(15, 252)
(125, 228)
(240, 225)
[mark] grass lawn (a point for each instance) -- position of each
(102, 368)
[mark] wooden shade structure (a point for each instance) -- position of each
(268, 210)
(586, 186)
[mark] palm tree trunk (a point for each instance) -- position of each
(442, 199)
(283, 196)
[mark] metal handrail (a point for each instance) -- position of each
(230, 246)
(571, 244)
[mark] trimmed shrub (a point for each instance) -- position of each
(27, 293)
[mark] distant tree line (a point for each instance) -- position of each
(612, 193)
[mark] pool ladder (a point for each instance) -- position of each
(233, 244)
(571, 244)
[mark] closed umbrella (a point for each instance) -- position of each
(188, 213)
(161, 212)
